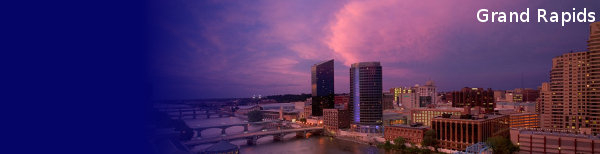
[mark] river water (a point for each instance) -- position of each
(290, 144)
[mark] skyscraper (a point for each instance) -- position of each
(366, 93)
(322, 87)
(592, 110)
(574, 85)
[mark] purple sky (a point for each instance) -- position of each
(221, 49)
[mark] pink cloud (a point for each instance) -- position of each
(395, 31)
(385, 31)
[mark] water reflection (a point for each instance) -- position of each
(290, 145)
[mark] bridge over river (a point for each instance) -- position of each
(252, 137)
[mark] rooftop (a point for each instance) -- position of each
(443, 108)
(284, 111)
(471, 117)
(410, 126)
(550, 132)
(278, 105)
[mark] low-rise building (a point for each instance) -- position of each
(393, 117)
(277, 106)
(458, 132)
(524, 120)
(314, 121)
(335, 119)
(412, 133)
(536, 140)
(277, 114)
(424, 115)
(520, 107)
(307, 111)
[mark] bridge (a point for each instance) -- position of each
(253, 137)
(224, 127)
(195, 112)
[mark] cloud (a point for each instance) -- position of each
(226, 48)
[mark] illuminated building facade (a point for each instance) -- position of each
(422, 95)
(459, 132)
(524, 120)
(322, 87)
(366, 93)
(424, 115)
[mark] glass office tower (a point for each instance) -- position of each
(366, 93)
(322, 87)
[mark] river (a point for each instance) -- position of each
(290, 144)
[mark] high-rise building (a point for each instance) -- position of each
(565, 109)
(366, 93)
(591, 108)
(574, 89)
(474, 97)
(322, 87)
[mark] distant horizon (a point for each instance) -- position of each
(384, 90)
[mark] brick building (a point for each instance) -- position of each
(474, 97)
(459, 132)
(341, 101)
(554, 141)
(335, 119)
(412, 133)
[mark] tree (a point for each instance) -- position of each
(400, 143)
(501, 145)
(429, 139)
(254, 116)
(387, 145)
(303, 120)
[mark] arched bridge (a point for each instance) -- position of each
(224, 127)
(253, 137)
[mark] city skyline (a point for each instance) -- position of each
(212, 58)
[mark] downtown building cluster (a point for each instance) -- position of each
(561, 116)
